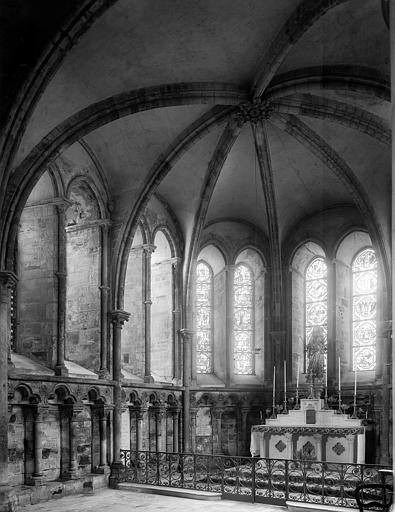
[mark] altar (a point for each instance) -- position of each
(310, 433)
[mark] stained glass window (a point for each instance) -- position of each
(316, 300)
(243, 320)
(204, 318)
(364, 305)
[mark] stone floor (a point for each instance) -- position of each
(109, 500)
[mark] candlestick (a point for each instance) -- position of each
(297, 387)
(285, 388)
(354, 414)
(340, 390)
(274, 394)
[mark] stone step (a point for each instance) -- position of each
(171, 491)
(296, 506)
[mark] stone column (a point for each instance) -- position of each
(61, 275)
(193, 413)
(7, 282)
(160, 439)
(217, 416)
(104, 291)
(175, 414)
(244, 433)
(148, 249)
(140, 413)
(176, 263)
(103, 467)
(38, 420)
(73, 472)
(187, 339)
(118, 318)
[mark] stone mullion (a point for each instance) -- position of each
(61, 275)
(147, 303)
(104, 291)
(176, 287)
(229, 347)
(7, 281)
(331, 321)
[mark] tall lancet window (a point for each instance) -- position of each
(364, 307)
(316, 301)
(243, 321)
(204, 318)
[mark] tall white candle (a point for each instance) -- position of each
(340, 385)
(297, 375)
(285, 376)
(355, 383)
(274, 382)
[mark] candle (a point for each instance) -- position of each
(340, 386)
(274, 382)
(297, 375)
(355, 383)
(326, 375)
(285, 377)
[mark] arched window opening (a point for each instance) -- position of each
(204, 318)
(364, 308)
(316, 302)
(243, 320)
(162, 296)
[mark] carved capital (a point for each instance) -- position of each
(148, 248)
(187, 335)
(118, 317)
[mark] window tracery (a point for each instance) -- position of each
(364, 307)
(316, 297)
(243, 320)
(204, 318)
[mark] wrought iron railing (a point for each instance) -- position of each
(250, 478)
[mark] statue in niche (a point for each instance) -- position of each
(316, 350)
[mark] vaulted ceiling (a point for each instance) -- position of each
(263, 112)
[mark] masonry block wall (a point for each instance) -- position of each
(37, 286)
(83, 297)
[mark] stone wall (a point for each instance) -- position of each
(83, 297)
(133, 342)
(37, 286)
(162, 351)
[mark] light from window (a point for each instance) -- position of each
(364, 306)
(316, 299)
(243, 329)
(204, 318)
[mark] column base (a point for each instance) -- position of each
(104, 374)
(103, 470)
(8, 499)
(115, 476)
(35, 480)
(61, 370)
(148, 378)
(72, 474)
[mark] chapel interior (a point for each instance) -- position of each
(190, 191)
